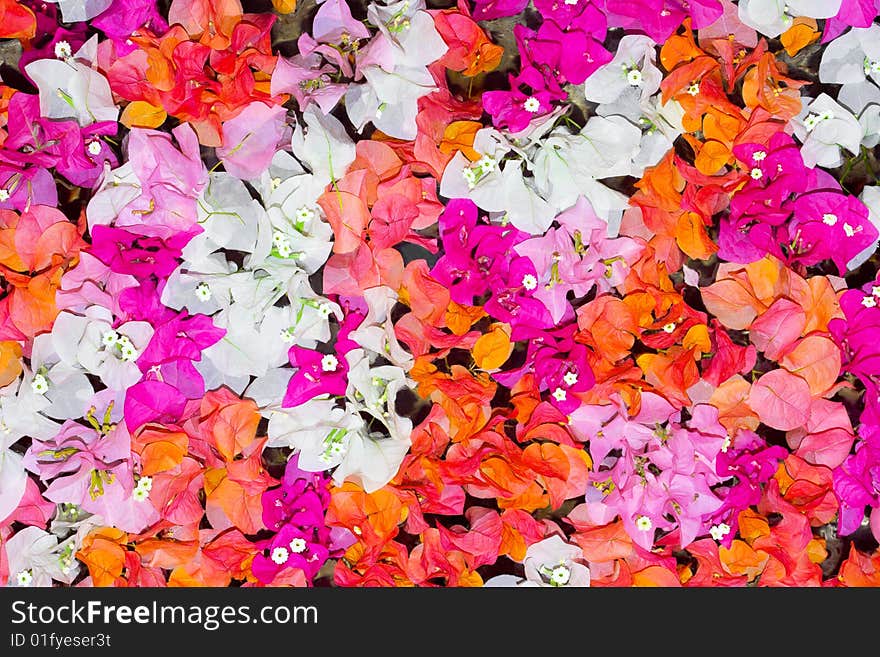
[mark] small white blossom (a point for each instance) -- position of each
(644, 524)
(634, 77)
(570, 378)
(280, 555)
(560, 575)
(559, 395)
(757, 156)
(529, 282)
(719, 531)
(203, 291)
(829, 219)
(39, 385)
(329, 363)
(669, 328)
(532, 105)
(756, 173)
(63, 50)
(869, 302)
(298, 545)
(24, 578)
(110, 338)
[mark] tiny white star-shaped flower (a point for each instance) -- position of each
(532, 105)
(298, 545)
(634, 77)
(570, 378)
(757, 156)
(869, 302)
(669, 328)
(643, 523)
(280, 555)
(94, 147)
(140, 494)
(287, 335)
(829, 218)
(559, 395)
(63, 50)
(719, 531)
(529, 282)
(329, 363)
(694, 88)
(305, 213)
(110, 338)
(24, 578)
(39, 385)
(560, 575)
(756, 174)
(203, 291)
(875, 290)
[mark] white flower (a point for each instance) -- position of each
(756, 173)
(63, 50)
(146, 483)
(529, 282)
(532, 105)
(39, 385)
(559, 395)
(758, 156)
(287, 335)
(4, 194)
(24, 578)
(848, 230)
(94, 147)
(280, 555)
(631, 73)
(305, 213)
(644, 524)
(694, 88)
(203, 291)
(570, 378)
(560, 575)
(127, 349)
(553, 562)
(140, 494)
(876, 290)
(869, 302)
(329, 363)
(298, 545)
(669, 328)
(109, 338)
(825, 127)
(719, 531)
(829, 219)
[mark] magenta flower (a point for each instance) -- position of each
(295, 511)
(126, 17)
(514, 109)
(830, 225)
(852, 13)
(316, 374)
(129, 253)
